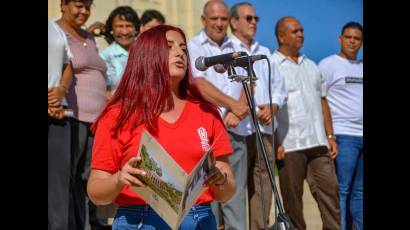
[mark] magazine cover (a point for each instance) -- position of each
(170, 191)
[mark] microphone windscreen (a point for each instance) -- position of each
(200, 63)
(219, 68)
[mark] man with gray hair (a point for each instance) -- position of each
(243, 22)
(217, 88)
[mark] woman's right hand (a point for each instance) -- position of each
(126, 176)
(55, 94)
(56, 112)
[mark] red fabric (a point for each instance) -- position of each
(180, 139)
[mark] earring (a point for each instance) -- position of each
(111, 32)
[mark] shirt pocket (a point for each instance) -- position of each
(292, 85)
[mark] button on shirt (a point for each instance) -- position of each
(300, 121)
(116, 59)
(261, 88)
(202, 45)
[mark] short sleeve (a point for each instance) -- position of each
(326, 73)
(323, 86)
(279, 91)
(105, 149)
(194, 53)
(110, 67)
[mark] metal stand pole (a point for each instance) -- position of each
(283, 221)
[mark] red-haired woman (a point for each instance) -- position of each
(157, 94)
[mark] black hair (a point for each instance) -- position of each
(149, 15)
(353, 25)
(85, 1)
(126, 13)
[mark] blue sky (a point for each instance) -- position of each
(321, 19)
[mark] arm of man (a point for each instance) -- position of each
(279, 95)
(217, 97)
(265, 113)
(329, 127)
(279, 149)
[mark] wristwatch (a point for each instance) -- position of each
(331, 136)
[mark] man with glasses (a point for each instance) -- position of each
(243, 23)
(218, 89)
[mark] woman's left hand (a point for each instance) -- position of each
(215, 177)
(55, 94)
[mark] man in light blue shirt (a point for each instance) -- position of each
(116, 58)
(122, 28)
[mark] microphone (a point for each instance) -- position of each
(202, 63)
(239, 62)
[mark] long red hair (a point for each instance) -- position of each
(145, 88)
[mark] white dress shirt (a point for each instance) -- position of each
(261, 88)
(202, 45)
(300, 121)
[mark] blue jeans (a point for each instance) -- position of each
(143, 217)
(349, 170)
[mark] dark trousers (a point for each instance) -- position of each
(81, 145)
(58, 173)
(260, 199)
(316, 166)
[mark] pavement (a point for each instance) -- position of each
(310, 209)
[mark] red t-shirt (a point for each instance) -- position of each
(186, 140)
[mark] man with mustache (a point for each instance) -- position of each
(305, 140)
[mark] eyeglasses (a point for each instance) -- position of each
(250, 17)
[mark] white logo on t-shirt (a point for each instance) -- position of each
(203, 135)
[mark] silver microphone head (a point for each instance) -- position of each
(219, 68)
(200, 63)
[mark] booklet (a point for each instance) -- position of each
(170, 191)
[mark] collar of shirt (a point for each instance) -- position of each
(117, 50)
(282, 58)
(254, 45)
(204, 38)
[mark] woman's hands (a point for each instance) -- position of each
(220, 180)
(215, 177)
(55, 94)
(126, 176)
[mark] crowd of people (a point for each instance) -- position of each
(99, 101)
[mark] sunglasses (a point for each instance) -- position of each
(249, 18)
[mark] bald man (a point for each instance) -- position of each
(305, 143)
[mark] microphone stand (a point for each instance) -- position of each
(282, 221)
